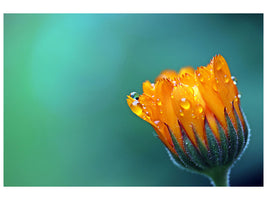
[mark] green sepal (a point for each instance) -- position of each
(192, 151)
(246, 129)
(223, 144)
(175, 159)
(232, 139)
(183, 157)
(240, 136)
(203, 149)
(214, 149)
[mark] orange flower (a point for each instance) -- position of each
(191, 103)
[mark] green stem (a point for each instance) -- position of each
(219, 175)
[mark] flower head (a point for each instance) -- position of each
(196, 114)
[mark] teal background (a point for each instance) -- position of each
(66, 77)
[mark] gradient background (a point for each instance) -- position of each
(66, 77)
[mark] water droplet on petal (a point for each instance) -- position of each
(200, 109)
(234, 79)
(239, 96)
(159, 103)
(134, 95)
(193, 116)
(156, 122)
(185, 104)
(137, 108)
(135, 103)
(181, 114)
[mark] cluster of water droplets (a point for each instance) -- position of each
(187, 106)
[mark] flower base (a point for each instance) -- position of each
(219, 176)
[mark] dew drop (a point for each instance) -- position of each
(156, 122)
(159, 103)
(181, 114)
(135, 103)
(185, 104)
(239, 96)
(193, 116)
(134, 95)
(234, 79)
(227, 79)
(160, 111)
(200, 109)
(137, 109)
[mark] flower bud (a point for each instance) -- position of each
(197, 116)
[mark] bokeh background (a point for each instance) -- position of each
(66, 77)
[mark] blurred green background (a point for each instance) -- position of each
(66, 77)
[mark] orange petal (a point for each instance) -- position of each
(167, 74)
(187, 77)
(164, 88)
(164, 136)
(238, 112)
(209, 92)
(226, 88)
(189, 111)
(212, 123)
(186, 70)
(148, 88)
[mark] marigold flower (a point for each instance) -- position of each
(197, 115)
